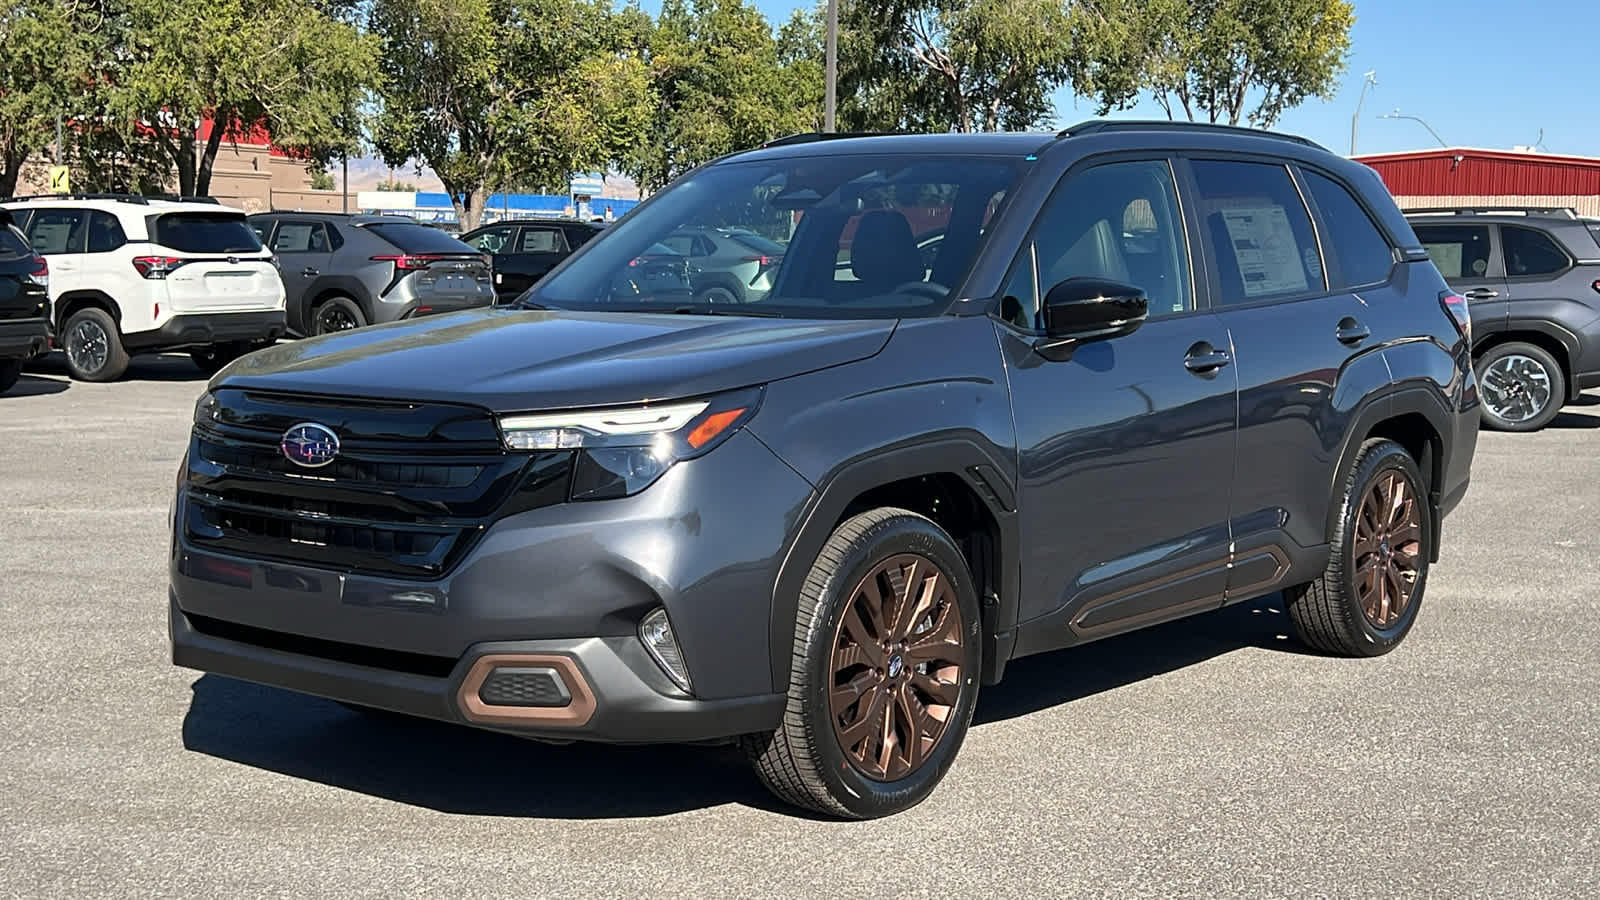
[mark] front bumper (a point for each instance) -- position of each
(24, 338)
(204, 329)
(561, 587)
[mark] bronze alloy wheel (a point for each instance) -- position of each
(896, 667)
(1388, 544)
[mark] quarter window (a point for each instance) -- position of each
(1260, 232)
(1363, 253)
(1530, 252)
(1117, 221)
(1458, 251)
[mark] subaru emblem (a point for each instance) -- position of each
(309, 444)
(233, 260)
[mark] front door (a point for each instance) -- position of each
(1125, 449)
(305, 252)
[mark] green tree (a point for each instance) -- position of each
(404, 187)
(938, 65)
(723, 82)
(321, 179)
(490, 93)
(48, 68)
(281, 64)
(1211, 60)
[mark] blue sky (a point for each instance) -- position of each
(1482, 73)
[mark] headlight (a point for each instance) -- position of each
(623, 450)
(205, 409)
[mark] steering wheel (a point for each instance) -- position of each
(933, 290)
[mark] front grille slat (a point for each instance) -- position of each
(408, 495)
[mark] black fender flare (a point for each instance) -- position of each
(721, 280)
(1545, 328)
(1429, 403)
(87, 297)
(963, 458)
(348, 285)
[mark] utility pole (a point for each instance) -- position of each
(1397, 115)
(344, 179)
(58, 139)
(1368, 80)
(832, 64)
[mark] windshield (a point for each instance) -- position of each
(835, 237)
(206, 233)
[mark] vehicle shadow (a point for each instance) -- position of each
(160, 367)
(1575, 420)
(455, 769)
(35, 386)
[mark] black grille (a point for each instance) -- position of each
(524, 687)
(412, 488)
(371, 657)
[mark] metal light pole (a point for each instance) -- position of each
(1368, 80)
(832, 67)
(1397, 115)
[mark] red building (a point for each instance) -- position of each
(1466, 177)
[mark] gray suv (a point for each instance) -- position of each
(342, 272)
(1532, 277)
(1152, 370)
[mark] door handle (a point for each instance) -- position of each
(308, 272)
(1481, 294)
(1204, 359)
(1352, 332)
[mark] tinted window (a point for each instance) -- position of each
(57, 230)
(302, 237)
(1118, 221)
(543, 240)
(12, 244)
(1259, 230)
(262, 227)
(1459, 251)
(1530, 252)
(1363, 253)
(758, 243)
(680, 243)
(205, 233)
(491, 241)
(105, 233)
(418, 238)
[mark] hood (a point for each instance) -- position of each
(509, 360)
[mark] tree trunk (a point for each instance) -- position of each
(468, 204)
(185, 160)
(11, 172)
(208, 160)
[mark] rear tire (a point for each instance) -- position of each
(880, 694)
(93, 346)
(1521, 387)
(337, 313)
(1367, 599)
(10, 371)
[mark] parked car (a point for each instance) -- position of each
(818, 523)
(728, 265)
(132, 274)
(24, 302)
(349, 271)
(1533, 279)
(524, 252)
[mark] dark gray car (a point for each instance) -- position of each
(1149, 371)
(1533, 279)
(342, 272)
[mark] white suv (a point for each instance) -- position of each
(132, 274)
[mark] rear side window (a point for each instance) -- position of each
(1529, 252)
(302, 237)
(1260, 231)
(1362, 252)
(105, 233)
(543, 240)
(419, 239)
(57, 230)
(1459, 251)
(12, 244)
(205, 233)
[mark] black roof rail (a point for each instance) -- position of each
(125, 198)
(1564, 212)
(814, 136)
(183, 198)
(1104, 126)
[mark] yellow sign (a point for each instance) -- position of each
(60, 182)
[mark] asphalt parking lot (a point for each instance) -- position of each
(1205, 758)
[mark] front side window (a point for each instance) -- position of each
(1260, 232)
(1348, 233)
(1118, 221)
(492, 241)
(58, 231)
(1457, 251)
(1530, 252)
(849, 227)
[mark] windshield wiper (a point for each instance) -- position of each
(739, 310)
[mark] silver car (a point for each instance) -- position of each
(728, 265)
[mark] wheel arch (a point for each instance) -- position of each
(329, 286)
(955, 484)
(72, 301)
(1416, 419)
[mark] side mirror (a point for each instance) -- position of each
(1080, 310)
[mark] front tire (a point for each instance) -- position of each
(1521, 387)
(93, 346)
(885, 672)
(1366, 601)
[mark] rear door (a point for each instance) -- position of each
(305, 248)
(1466, 255)
(220, 265)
